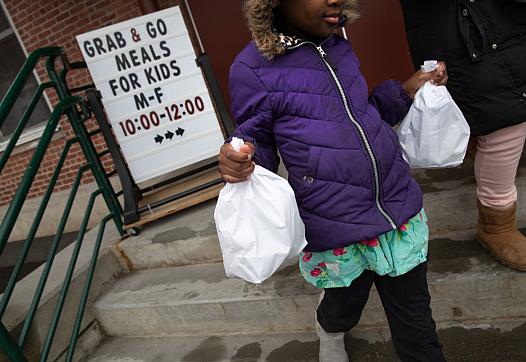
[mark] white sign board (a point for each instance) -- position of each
(154, 93)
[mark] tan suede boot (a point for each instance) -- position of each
(497, 232)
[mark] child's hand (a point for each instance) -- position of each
(417, 80)
(236, 166)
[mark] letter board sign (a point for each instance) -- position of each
(154, 94)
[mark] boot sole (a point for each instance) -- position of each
(500, 260)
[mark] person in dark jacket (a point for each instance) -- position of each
(483, 43)
(298, 88)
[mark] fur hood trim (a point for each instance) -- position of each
(259, 15)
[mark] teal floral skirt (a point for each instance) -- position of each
(393, 253)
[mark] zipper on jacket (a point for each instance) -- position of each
(326, 58)
(362, 134)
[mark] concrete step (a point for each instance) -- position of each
(461, 344)
(466, 284)
(189, 237)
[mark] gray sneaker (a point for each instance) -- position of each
(332, 345)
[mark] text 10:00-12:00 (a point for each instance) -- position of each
(174, 112)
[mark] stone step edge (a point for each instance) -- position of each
(434, 278)
(372, 331)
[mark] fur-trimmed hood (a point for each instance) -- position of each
(259, 15)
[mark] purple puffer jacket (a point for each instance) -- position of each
(344, 160)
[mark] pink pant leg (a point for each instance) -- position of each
(496, 163)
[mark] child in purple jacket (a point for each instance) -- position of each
(298, 89)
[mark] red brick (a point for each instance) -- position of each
(42, 23)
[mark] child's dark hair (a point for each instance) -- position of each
(260, 20)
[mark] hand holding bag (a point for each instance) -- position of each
(434, 133)
(258, 225)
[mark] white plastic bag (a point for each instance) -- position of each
(434, 133)
(258, 225)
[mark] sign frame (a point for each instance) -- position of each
(202, 189)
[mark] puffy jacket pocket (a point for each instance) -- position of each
(312, 166)
(302, 182)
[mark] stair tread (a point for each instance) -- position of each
(475, 343)
(206, 283)
(273, 347)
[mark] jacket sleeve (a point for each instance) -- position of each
(391, 101)
(252, 111)
(420, 18)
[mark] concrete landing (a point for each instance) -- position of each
(504, 344)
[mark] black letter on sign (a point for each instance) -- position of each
(113, 86)
(163, 46)
(151, 30)
(176, 69)
(141, 101)
(152, 50)
(161, 26)
(145, 56)
(99, 46)
(149, 77)
(134, 79)
(134, 58)
(158, 94)
(122, 62)
(89, 49)
(120, 40)
(111, 44)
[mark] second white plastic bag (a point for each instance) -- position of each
(258, 225)
(434, 133)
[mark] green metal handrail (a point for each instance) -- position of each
(23, 122)
(85, 142)
(51, 257)
(34, 227)
(20, 196)
(87, 286)
(77, 112)
(69, 275)
(13, 93)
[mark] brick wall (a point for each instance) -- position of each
(56, 23)
(16, 166)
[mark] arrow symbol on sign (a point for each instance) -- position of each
(169, 135)
(179, 131)
(158, 139)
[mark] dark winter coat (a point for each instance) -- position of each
(344, 160)
(483, 43)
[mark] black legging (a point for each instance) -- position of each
(406, 303)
